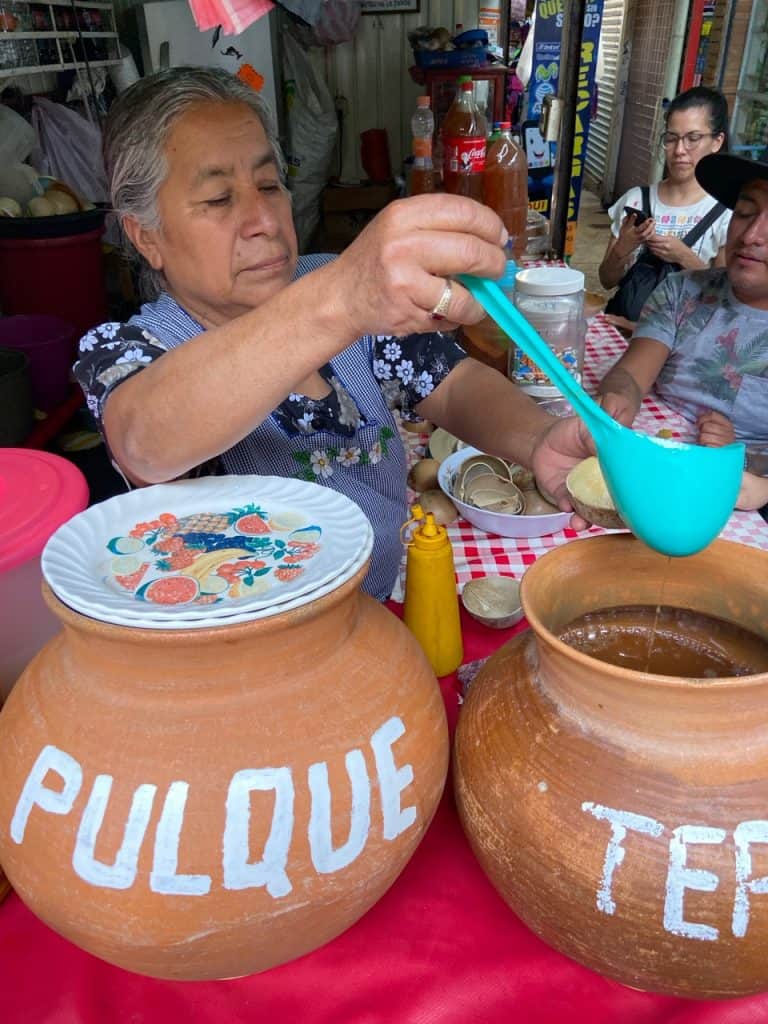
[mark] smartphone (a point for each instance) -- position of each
(639, 216)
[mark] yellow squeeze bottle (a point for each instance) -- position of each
(431, 604)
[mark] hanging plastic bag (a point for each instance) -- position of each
(71, 149)
(338, 22)
(17, 136)
(312, 127)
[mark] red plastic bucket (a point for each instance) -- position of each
(62, 276)
(50, 344)
(38, 492)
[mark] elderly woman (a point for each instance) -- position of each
(270, 363)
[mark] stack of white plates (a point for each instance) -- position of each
(210, 552)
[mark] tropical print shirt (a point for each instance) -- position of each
(718, 351)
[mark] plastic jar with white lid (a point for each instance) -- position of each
(552, 301)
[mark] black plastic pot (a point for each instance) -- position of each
(61, 225)
(16, 413)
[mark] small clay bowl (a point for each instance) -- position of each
(493, 600)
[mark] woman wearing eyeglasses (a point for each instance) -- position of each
(696, 125)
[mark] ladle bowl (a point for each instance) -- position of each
(675, 497)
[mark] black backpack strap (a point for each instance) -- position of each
(698, 230)
(645, 200)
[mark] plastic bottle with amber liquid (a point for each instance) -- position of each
(422, 176)
(488, 331)
(505, 187)
(464, 132)
(422, 179)
(431, 609)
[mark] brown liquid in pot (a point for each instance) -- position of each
(685, 643)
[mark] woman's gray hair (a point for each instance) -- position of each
(137, 129)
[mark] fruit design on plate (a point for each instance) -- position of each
(209, 557)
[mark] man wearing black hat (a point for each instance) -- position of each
(702, 337)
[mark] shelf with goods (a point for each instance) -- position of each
(56, 36)
(441, 84)
(749, 124)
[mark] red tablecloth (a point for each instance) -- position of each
(439, 948)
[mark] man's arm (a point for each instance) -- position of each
(753, 493)
(486, 410)
(483, 408)
(625, 385)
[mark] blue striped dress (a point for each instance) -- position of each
(348, 442)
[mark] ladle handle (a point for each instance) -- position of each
(513, 323)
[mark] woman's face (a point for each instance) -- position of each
(226, 241)
(681, 160)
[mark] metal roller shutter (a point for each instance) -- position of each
(602, 129)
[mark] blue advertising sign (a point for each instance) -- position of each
(545, 65)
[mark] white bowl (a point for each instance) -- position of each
(496, 522)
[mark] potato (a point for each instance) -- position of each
(40, 207)
(440, 505)
(61, 202)
(590, 496)
(9, 207)
(535, 505)
(423, 475)
(523, 478)
(417, 426)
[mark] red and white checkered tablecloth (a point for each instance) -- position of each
(477, 553)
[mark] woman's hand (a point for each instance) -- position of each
(632, 235)
(672, 249)
(714, 430)
(394, 274)
(617, 254)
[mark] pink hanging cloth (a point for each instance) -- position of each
(234, 16)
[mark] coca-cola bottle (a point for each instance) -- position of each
(464, 133)
(505, 187)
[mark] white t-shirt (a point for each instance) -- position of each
(676, 220)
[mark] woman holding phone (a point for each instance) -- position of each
(696, 124)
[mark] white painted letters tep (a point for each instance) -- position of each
(680, 877)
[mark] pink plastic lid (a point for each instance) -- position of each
(38, 492)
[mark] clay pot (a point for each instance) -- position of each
(210, 803)
(622, 815)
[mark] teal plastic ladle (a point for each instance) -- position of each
(675, 497)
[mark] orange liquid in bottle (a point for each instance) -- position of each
(505, 189)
